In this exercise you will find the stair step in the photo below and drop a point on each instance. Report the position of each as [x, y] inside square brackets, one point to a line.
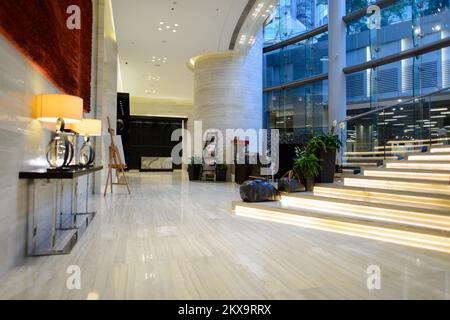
[359, 165]
[428, 165]
[370, 158]
[416, 185]
[406, 147]
[404, 198]
[442, 149]
[421, 141]
[408, 174]
[437, 219]
[347, 225]
[430, 157]
[377, 153]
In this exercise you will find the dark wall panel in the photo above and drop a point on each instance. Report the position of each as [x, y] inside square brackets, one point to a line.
[151, 137]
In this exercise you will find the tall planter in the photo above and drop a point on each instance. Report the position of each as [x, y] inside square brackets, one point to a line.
[221, 174]
[327, 166]
[195, 172]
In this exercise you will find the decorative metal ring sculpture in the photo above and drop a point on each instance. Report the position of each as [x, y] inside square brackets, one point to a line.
[87, 154]
[60, 150]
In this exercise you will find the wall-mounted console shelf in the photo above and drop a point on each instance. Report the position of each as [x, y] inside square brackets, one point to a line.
[62, 238]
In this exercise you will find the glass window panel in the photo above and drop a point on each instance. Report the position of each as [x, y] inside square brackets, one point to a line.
[297, 112]
[355, 5]
[404, 25]
[272, 68]
[399, 81]
[297, 61]
[294, 17]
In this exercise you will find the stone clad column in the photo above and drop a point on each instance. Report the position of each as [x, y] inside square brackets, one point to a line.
[228, 89]
[337, 52]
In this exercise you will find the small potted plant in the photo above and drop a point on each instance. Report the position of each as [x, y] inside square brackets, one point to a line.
[307, 166]
[221, 172]
[325, 147]
[195, 169]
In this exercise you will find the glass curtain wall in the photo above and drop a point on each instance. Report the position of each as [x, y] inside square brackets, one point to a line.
[298, 61]
[294, 17]
[298, 111]
[398, 87]
[406, 24]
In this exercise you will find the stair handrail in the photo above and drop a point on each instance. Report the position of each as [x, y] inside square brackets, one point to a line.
[395, 105]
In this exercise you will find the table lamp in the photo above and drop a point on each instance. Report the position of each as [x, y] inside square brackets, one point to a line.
[59, 109]
[87, 128]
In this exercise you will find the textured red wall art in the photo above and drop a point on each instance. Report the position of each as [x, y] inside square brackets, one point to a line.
[47, 33]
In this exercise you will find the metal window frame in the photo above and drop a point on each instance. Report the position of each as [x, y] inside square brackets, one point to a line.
[362, 12]
[298, 83]
[436, 45]
[296, 39]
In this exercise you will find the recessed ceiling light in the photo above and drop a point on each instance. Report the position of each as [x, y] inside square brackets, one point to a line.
[174, 30]
[168, 27]
[161, 23]
[176, 25]
[160, 29]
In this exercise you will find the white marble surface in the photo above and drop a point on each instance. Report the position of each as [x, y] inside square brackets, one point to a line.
[228, 90]
[22, 146]
[104, 81]
[172, 239]
[23, 140]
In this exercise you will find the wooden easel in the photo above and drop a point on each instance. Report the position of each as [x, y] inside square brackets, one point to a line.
[115, 163]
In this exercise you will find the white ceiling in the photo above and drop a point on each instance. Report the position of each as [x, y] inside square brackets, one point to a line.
[204, 26]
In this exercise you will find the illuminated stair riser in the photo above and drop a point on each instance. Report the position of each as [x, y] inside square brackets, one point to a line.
[358, 211]
[396, 185]
[378, 197]
[417, 240]
[440, 150]
[419, 166]
[430, 157]
[408, 175]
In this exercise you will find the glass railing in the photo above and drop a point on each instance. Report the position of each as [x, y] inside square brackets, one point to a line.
[396, 131]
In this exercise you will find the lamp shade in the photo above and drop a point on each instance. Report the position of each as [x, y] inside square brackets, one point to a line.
[88, 127]
[50, 107]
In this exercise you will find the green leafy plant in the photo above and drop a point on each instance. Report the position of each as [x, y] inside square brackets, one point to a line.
[326, 142]
[221, 167]
[306, 163]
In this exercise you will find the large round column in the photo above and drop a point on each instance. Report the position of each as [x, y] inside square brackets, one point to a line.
[228, 89]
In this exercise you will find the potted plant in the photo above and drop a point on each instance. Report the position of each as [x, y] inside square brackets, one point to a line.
[307, 166]
[221, 172]
[195, 169]
[325, 147]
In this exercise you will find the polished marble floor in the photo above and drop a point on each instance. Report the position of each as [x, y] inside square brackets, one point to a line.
[172, 239]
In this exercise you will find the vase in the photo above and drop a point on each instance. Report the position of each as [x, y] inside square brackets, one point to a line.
[309, 182]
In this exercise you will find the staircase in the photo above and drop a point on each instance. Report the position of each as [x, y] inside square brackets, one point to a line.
[405, 202]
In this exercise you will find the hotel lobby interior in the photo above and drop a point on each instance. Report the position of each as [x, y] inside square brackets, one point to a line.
[225, 149]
